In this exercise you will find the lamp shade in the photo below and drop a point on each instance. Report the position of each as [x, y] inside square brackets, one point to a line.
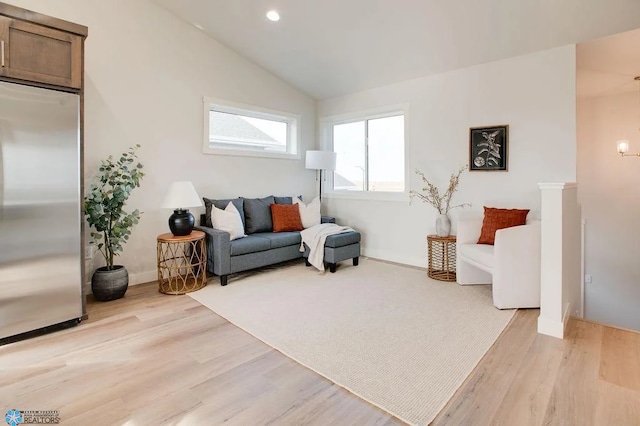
[320, 160]
[181, 194]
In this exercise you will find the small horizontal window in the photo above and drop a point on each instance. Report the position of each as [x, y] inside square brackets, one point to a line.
[244, 130]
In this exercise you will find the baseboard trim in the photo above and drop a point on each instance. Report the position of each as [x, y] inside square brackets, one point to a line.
[550, 327]
[134, 279]
[566, 315]
[604, 324]
[143, 277]
[420, 262]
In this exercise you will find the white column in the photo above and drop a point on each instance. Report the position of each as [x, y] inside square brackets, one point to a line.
[560, 257]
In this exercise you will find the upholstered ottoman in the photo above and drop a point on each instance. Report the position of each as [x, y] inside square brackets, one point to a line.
[337, 248]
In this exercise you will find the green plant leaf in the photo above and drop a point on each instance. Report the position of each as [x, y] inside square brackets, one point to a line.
[104, 203]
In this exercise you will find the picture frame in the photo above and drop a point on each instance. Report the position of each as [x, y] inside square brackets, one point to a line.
[489, 148]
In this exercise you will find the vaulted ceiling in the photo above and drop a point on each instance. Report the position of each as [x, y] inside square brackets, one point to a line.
[608, 66]
[328, 48]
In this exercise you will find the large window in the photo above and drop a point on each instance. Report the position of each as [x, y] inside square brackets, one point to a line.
[234, 129]
[370, 153]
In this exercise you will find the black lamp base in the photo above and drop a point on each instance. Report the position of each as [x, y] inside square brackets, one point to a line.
[181, 222]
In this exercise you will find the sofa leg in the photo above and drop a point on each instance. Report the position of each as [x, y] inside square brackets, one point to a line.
[332, 268]
[223, 279]
[355, 261]
[306, 261]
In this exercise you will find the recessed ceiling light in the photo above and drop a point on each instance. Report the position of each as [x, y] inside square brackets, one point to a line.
[272, 15]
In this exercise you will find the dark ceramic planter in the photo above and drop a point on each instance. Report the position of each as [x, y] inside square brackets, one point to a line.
[109, 284]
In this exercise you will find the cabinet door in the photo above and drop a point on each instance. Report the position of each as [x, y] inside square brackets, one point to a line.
[35, 53]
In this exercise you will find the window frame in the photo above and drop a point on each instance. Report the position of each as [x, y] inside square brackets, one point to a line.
[326, 128]
[292, 121]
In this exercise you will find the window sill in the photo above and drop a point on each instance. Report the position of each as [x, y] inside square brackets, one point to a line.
[369, 196]
[248, 153]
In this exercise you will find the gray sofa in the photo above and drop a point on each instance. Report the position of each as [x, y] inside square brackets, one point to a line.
[261, 246]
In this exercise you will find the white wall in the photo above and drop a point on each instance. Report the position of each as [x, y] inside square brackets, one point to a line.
[571, 254]
[610, 196]
[146, 73]
[533, 94]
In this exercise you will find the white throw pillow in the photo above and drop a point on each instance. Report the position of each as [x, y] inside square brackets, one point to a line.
[309, 213]
[228, 220]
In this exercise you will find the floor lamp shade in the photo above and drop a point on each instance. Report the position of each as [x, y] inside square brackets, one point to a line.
[181, 195]
[320, 160]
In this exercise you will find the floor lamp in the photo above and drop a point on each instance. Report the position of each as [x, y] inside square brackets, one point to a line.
[320, 160]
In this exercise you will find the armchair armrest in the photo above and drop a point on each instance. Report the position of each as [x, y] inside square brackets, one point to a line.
[218, 250]
[519, 243]
[517, 265]
[468, 231]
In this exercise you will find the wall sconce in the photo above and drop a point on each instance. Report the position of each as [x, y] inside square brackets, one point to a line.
[623, 145]
[623, 149]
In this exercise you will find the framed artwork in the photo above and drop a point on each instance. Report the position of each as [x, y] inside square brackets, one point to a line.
[488, 148]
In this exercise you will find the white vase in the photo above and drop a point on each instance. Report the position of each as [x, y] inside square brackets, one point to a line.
[443, 225]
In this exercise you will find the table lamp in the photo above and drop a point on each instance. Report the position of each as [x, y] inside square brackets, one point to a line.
[320, 160]
[181, 195]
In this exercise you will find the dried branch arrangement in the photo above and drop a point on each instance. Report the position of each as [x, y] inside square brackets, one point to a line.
[431, 194]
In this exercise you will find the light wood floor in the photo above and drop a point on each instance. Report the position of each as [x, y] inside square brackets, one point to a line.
[152, 359]
[592, 377]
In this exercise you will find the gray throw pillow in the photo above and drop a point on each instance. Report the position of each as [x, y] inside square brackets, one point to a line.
[285, 200]
[222, 204]
[257, 213]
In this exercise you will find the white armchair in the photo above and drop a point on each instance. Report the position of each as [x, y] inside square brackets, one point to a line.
[512, 263]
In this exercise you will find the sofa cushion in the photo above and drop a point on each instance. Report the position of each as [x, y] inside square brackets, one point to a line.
[249, 244]
[257, 214]
[228, 220]
[479, 253]
[341, 240]
[222, 204]
[285, 200]
[286, 217]
[309, 213]
[280, 239]
[495, 219]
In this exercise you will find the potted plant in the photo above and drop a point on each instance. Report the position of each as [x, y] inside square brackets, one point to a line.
[104, 209]
[442, 203]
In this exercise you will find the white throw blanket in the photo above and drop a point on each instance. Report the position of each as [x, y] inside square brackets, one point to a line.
[315, 238]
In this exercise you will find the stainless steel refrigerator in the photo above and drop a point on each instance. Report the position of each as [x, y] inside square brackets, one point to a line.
[40, 210]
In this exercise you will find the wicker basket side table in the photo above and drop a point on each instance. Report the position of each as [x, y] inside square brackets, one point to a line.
[182, 263]
[442, 257]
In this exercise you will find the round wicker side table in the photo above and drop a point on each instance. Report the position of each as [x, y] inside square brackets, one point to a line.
[182, 263]
[442, 257]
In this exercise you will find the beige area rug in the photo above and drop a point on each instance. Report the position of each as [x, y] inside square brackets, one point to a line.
[387, 333]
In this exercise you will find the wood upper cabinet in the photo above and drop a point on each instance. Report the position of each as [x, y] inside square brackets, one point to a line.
[36, 53]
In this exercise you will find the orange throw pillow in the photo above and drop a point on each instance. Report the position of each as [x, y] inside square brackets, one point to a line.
[286, 217]
[495, 219]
